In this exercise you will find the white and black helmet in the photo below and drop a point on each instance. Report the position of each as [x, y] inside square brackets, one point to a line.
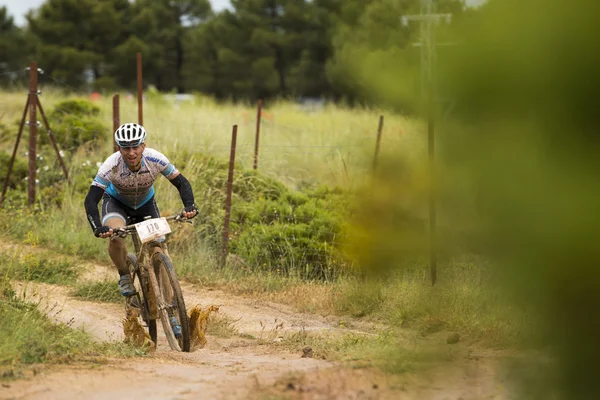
[130, 135]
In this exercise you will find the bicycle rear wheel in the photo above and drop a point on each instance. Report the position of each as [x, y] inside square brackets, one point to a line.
[142, 287]
[170, 295]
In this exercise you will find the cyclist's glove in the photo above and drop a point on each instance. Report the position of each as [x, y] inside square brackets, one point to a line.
[100, 230]
[191, 209]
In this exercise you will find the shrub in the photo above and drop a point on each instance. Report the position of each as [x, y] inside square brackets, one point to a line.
[76, 107]
[272, 227]
[18, 173]
[74, 123]
[299, 233]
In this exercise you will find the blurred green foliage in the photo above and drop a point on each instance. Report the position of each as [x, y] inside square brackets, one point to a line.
[521, 147]
[528, 98]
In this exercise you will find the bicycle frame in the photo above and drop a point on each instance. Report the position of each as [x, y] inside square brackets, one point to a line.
[142, 252]
[157, 301]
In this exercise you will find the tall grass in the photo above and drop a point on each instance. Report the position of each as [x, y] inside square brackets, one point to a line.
[466, 300]
[104, 291]
[334, 145]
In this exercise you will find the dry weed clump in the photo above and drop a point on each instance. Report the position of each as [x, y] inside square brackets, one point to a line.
[198, 323]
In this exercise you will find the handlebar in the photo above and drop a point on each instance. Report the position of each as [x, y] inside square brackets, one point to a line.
[129, 229]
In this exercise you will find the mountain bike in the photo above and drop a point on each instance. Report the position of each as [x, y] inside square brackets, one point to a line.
[158, 293]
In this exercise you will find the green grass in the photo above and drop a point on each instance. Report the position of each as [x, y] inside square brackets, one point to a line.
[103, 291]
[64, 230]
[28, 337]
[386, 350]
[465, 300]
[41, 268]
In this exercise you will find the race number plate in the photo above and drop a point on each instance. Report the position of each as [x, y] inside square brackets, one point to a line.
[152, 229]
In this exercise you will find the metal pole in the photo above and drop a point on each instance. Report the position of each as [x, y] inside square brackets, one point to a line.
[52, 140]
[378, 143]
[431, 100]
[428, 90]
[432, 180]
[14, 153]
[116, 120]
[33, 77]
[225, 249]
[258, 115]
[140, 89]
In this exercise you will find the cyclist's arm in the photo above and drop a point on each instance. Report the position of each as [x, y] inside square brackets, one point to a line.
[185, 191]
[91, 206]
[169, 171]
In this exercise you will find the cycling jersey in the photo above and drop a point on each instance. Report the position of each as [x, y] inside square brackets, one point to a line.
[133, 189]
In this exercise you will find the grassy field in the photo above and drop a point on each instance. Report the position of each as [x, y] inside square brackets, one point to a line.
[333, 146]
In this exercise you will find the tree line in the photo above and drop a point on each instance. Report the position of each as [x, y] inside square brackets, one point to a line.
[258, 49]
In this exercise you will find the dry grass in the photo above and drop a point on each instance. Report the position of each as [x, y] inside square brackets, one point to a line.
[463, 302]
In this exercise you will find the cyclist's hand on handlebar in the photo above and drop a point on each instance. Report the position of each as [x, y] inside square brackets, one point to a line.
[189, 212]
[103, 232]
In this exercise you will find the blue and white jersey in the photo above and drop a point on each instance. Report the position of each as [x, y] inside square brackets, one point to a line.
[133, 189]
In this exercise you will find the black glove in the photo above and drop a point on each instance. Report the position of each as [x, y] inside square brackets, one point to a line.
[191, 208]
[100, 230]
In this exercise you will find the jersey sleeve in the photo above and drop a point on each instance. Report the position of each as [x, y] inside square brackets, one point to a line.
[163, 164]
[103, 177]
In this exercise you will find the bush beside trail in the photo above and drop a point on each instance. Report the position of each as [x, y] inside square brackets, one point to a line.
[293, 232]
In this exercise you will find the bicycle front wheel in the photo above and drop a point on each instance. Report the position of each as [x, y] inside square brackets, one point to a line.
[142, 296]
[174, 306]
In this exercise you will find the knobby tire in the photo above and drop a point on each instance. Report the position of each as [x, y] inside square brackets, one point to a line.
[143, 292]
[167, 279]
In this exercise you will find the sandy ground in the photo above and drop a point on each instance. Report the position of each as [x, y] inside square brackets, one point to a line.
[234, 368]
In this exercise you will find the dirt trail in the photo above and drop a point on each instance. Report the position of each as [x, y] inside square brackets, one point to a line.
[232, 368]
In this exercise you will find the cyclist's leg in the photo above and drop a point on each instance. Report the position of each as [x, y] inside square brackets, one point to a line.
[114, 216]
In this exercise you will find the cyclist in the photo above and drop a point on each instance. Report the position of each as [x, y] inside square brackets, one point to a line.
[125, 183]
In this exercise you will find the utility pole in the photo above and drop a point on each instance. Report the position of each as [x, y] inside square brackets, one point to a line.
[428, 18]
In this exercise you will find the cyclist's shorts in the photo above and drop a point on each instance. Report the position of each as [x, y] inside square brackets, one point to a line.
[113, 208]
